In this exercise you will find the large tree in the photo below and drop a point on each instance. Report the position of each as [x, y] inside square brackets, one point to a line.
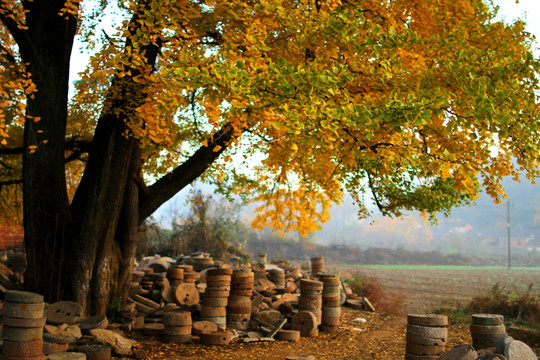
[418, 102]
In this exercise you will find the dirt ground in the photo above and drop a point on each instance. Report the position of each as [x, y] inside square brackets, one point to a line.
[382, 337]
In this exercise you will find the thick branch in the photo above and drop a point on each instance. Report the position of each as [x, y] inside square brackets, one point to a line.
[8, 19]
[184, 174]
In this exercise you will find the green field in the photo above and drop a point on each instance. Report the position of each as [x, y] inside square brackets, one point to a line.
[448, 267]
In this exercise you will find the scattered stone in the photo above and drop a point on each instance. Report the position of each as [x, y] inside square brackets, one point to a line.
[119, 344]
[360, 320]
[517, 350]
[461, 352]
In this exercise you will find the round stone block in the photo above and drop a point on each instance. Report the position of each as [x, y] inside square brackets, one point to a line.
[306, 323]
[63, 312]
[186, 294]
[22, 323]
[23, 311]
[22, 334]
[428, 320]
[288, 335]
[419, 349]
[177, 318]
[487, 319]
[460, 352]
[203, 326]
[428, 331]
[177, 330]
[24, 297]
[22, 348]
[216, 338]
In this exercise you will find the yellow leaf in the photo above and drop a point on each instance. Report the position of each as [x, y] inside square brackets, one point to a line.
[3, 142]
[217, 148]
[294, 147]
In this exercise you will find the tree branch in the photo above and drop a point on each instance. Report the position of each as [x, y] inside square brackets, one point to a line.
[7, 17]
[183, 175]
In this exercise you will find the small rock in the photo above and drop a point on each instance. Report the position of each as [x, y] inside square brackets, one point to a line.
[360, 320]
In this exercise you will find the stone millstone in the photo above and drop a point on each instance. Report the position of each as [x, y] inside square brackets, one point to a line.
[306, 322]
[177, 318]
[24, 297]
[22, 348]
[200, 327]
[94, 322]
[354, 304]
[427, 331]
[22, 334]
[288, 335]
[299, 357]
[419, 349]
[428, 320]
[64, 312]
[95, 351]
[216, 338]
[67, 356]
[487, 319]
[487, 329]
[186, 294]
[416, 339]
[22, 323]
[23, 311]
[461, 352]
[491, 357]
[517, 350]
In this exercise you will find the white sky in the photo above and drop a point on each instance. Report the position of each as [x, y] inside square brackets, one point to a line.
[526, 10]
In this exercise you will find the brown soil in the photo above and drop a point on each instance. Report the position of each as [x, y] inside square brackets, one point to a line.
[382, 337]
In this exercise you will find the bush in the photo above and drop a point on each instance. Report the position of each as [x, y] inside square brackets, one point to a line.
[370, 288]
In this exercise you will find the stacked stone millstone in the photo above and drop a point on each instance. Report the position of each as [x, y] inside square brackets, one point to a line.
[190, 276]
[158, 283]
[135, 286]
[215, 298]
[426, 336]
[259, 270]
[487, 330]
[239, 304]
[317, 265]
[23, 320]
[202, 263]
[146, 281]
[175, 275]
[277, 276]
[311, 297]
[177, 326]
[331, 309]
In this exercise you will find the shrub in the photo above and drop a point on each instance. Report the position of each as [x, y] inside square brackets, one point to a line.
[370, 288]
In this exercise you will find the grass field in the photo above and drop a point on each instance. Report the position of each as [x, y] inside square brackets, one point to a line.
[450, 267]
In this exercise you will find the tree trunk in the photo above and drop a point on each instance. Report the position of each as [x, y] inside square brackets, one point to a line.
[85, 251]
[46, 47]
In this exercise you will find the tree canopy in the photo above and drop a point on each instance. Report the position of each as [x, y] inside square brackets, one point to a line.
[419, 103]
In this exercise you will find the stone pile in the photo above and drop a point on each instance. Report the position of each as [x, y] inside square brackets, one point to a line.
[177, 326]
[487, 330]
[331, 299]
[311, 298]
[23, 320]
[426, 336]
[216, 295]
[317, 265]
[239, 305]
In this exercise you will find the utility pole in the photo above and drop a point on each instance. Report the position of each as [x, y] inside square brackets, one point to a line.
[508, 233]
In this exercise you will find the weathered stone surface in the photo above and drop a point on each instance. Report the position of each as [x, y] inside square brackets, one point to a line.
[94, 322]
[24, 297]
[119, 344]
[517, 350]
[461, 352]
[64, 312]
[67, 356]
[271, 317]
[427, 320]
[95, 351]
[305, 322]
[487, 319]
[74, 331]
